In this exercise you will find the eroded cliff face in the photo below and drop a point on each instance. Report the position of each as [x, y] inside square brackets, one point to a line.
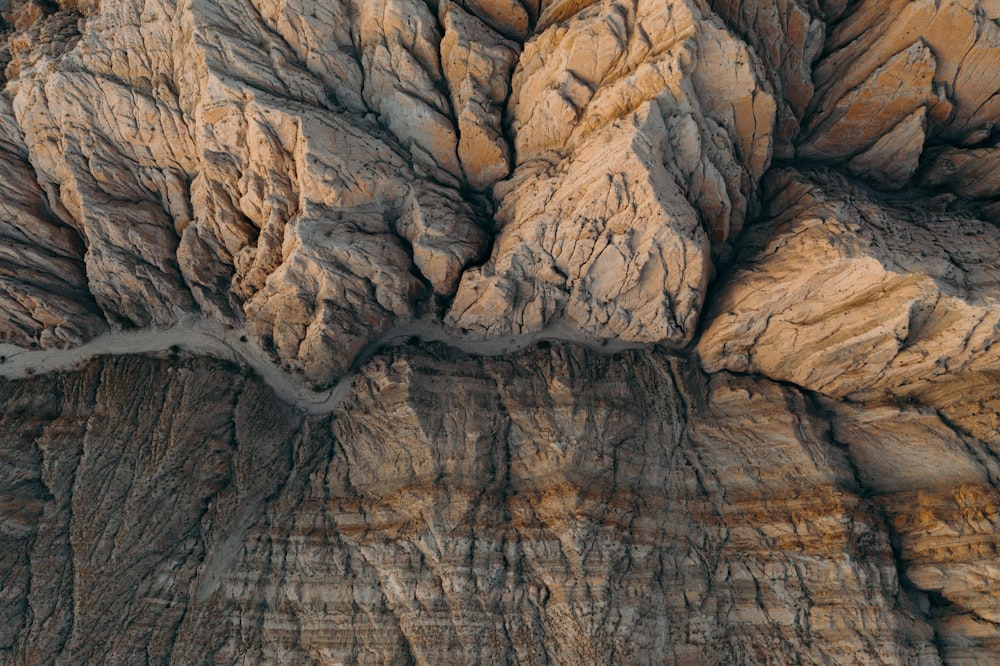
[555, 505]
[499, 331]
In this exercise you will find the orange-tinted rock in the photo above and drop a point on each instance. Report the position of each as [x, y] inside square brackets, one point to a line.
[788, 36]
[451, 509]
[477, 64]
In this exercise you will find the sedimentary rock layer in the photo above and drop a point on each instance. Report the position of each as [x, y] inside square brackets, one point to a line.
[588, 331]
[452, 508]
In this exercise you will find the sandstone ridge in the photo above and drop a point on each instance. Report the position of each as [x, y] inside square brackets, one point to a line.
[499, 331]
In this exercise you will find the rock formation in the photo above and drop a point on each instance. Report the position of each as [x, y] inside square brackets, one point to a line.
[499, 331]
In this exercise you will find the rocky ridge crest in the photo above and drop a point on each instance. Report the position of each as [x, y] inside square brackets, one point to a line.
[618, 331]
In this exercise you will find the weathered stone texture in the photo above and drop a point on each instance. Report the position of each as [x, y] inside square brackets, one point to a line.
[585, 331]
[452, 509]
[845, 295]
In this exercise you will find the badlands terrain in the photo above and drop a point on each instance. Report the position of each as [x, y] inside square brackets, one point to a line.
[499, 332]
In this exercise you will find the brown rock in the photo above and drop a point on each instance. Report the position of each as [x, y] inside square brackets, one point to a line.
[948, 547]
[564, 195]
[451, 509]
[963, 171]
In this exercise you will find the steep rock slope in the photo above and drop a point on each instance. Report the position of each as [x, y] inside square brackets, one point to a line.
[588, 331]
[552, 506]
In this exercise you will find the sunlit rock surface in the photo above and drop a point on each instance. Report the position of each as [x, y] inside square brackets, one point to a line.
[499, 331]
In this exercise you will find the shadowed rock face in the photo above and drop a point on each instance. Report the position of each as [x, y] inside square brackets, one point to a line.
[554, 505]
[587, 332]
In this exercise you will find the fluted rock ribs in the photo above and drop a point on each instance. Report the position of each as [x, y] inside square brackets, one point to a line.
[618, 331]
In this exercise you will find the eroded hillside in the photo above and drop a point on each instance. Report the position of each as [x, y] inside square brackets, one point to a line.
[499, 331]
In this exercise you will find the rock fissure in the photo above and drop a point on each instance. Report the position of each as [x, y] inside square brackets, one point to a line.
[499, 331]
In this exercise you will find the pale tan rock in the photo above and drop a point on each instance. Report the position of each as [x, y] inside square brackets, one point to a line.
[843, 295]
[477, 64]
[890, 162]
[587, 70]
[969, 403]
[326, 256]
[113, 153]
[630, 160]
[322, 42]
[213, 167]
[442, 234]
[630, 263]
[399, 41]
[329, 274]
[114, 181]
[733, 93]
[44, 300]
[901, 450]
[788, 36]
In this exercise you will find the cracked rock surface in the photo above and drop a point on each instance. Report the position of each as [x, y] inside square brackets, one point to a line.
[499, 331]
[452, 508]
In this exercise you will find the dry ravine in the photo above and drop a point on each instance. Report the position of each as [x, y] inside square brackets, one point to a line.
[499, 332]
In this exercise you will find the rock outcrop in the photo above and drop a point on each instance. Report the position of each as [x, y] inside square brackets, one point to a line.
[499, 331]
[452, 509]
[682, 110]
[842, 294]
